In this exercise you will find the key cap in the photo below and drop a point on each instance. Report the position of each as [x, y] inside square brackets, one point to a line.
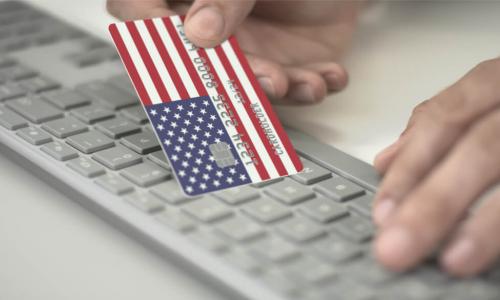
[176, 220]
[243, 261]
[312, 173]
[122, 82]
[349, 290]
[92, 113]
[145, 174]
[281, 282]
[142, 143]
[38, 84]
[414, 289]
[289, 192]
[207, 209]
[65, 127]
[145, 202]
[11, 120]
[208, 241]
[369, 271]
[117, 127]
[362, 205]
[33, 109]
[273, 249]
[266, 210]
[6, 61]
[107, 95]
[135, 114]
[311, 270]
[336, 249]
[240, 229]
[11, 90]
[266, 183]
[59, 151]
[16, 72]
[170, 192]
[159, 158]
[339, 189]
[117, 157]
[323, 210]
[300, 229]
[354, 228]
[86, 167]
[34, 135]
[65, 98]
[90, 142]
[114, 184]
[237, 195]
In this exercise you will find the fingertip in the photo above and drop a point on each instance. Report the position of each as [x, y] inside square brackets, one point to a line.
[393, 249]
[458, 259]
[336, 80]
[205, 27]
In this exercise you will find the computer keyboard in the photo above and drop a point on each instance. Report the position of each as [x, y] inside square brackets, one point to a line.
[69, 114]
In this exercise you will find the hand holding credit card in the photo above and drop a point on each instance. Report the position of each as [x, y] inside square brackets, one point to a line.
[214, 122]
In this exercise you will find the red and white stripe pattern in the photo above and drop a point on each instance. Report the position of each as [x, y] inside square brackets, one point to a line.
[161, 63]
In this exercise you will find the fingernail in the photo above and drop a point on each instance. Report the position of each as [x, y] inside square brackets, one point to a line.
[459, 252]
[302, 93]
[383, 210]
[267, 86]
[207, 23]
[334, 82]
[395, 243]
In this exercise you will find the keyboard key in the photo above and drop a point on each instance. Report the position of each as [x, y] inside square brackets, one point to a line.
[33, 109]
[240, 229]
[300, 229]
[90, 142]
[145, 202]
[237, 195]
[289, 192]
[339, 189]
[34, 135]
[6, 61]
[16, 72]
[311, 270]
[170, 192]
[117, 157]
[369, 271]
[122, 82]
[65, 99]
[65, 127]
[274, 249]
[207, 209]
[243, 261]
[59, 151]
[312, 173]
[38, 84]
[354, 228]
[114, 184]
[145, 174]
[11, 120]
[159, 158]
[266, 183]
[117, 127]
[135, 114]
[362, 205]
[323, 210]
[11, 90]
[86, 167]
[336, 249]
[176, 220]
[142, 143]
[92, 113]
[209, 241]
[281, 282]
[266, 210]
[107, 95]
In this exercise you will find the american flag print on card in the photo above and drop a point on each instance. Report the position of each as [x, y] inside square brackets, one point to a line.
[213, 120]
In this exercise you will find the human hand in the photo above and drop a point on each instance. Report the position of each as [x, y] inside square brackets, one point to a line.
[448, 156]
[293, 47]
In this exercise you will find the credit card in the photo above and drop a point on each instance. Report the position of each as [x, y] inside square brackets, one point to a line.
[215, 124]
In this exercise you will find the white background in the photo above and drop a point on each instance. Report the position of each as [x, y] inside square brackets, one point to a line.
[404, 52]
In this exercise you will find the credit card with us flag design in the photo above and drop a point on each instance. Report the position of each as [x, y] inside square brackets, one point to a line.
[213, 120]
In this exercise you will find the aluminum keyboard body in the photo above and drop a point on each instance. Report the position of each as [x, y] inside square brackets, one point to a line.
[69, 114]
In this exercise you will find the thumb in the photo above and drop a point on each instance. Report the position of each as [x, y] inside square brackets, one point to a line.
[210, 22]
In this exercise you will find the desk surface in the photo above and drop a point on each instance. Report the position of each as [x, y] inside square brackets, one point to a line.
[403, 53]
